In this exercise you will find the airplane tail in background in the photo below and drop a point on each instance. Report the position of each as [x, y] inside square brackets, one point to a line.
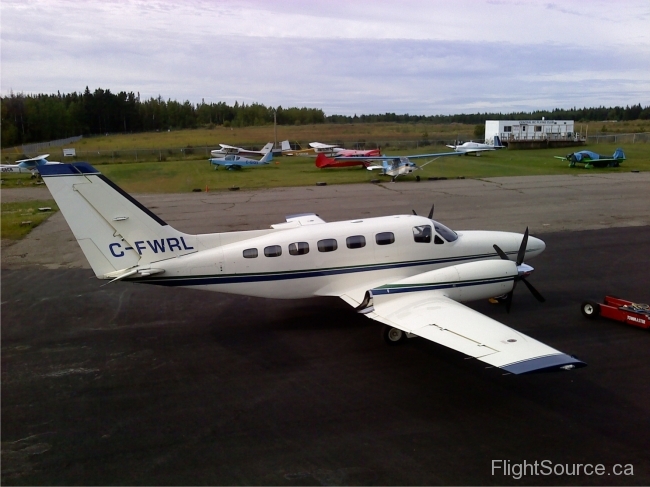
[618, 154]
[115, 232]
[323, 161]
[497, 142]
[286, 145]
[268, 157]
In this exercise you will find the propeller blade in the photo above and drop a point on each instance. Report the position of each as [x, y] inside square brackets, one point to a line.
[509, 298]
[501, 253]
[431, 212]
[534, 291]
[522, 248]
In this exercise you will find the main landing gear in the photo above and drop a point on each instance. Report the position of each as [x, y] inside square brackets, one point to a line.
[392, 336]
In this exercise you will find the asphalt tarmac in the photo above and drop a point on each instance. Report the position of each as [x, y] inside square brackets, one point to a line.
[141, 385]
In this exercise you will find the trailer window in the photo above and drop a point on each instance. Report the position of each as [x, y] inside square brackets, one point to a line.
[327, 245]
[355, 242]
[273, 251]
[250, 253]
[299, 248]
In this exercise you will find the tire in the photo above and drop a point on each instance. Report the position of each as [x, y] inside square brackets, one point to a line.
[590, 309]
[392, 336]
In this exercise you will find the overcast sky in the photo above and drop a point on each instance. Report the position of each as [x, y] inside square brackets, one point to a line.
[344, 56]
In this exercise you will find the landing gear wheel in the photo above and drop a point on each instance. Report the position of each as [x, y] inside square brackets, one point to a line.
[590, 309]
[417, 178]
[392, 336]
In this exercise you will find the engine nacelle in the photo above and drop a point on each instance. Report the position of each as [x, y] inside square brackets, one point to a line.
[462, 282]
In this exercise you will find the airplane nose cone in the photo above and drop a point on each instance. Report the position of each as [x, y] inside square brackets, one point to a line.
[534, 247]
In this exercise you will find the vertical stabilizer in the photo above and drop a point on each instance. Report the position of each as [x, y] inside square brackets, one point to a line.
[114, 230]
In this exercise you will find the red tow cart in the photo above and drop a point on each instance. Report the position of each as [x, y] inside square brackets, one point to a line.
[634, 314]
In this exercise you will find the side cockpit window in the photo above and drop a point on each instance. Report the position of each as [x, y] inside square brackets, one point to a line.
[422, 233]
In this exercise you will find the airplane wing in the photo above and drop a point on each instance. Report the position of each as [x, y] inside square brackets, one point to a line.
[32, 161]
[442, 320]
[318, 145]
[394, 158]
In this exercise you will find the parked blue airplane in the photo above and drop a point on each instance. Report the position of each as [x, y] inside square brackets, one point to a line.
[237, 162]
[591, 159]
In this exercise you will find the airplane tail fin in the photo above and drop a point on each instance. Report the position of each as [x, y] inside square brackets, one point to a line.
[619, 154]
[286, 145]
[115, 232]
[268, 157]
[323, 161]
[497, 141]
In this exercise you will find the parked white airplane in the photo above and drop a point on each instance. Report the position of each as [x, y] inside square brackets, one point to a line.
[408, 272]
[229, 150]
[29, 166]
[237, 162]
[476, 147]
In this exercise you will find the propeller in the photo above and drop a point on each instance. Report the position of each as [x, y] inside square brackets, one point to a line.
[523, 271]
[431, 215]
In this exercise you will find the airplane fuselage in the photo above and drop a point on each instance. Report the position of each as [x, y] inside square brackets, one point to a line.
[333, 258]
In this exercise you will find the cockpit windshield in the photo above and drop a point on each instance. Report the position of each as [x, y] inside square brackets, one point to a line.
[447, 233]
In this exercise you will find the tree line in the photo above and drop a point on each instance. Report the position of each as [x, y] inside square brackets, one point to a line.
[38, 118]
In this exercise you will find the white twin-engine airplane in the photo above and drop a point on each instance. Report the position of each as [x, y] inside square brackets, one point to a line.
[408, 272]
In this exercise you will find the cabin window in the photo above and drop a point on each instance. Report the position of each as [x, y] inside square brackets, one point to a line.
[250, 253]
[355, 242]
[299, 248]
[273, 251]
[385, 238]
[327, 245]
[447, 233]
[438, 240]
[422, 233]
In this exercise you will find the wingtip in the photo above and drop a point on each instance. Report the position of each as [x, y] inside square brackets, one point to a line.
[548, 363]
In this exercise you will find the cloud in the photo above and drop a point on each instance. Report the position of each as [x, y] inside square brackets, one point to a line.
[416, 57]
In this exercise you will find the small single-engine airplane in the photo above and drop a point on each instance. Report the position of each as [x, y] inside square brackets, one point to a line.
[392, 166]
[591, 159]
[230, 150]
[334, 150]
[327, 149]
[237, 162]
[28, 166]
[288, 151]
[322, 161]
[407, 272]
[476, 147]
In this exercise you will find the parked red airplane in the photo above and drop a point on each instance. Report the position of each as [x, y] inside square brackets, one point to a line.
[357, 160]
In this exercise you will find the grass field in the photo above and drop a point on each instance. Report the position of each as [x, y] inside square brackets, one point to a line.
[18, 219]
[186, 175]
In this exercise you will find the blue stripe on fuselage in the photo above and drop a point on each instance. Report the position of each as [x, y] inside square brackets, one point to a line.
[290, 275]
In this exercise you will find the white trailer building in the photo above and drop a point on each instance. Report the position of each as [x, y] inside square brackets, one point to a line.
[520, 130]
